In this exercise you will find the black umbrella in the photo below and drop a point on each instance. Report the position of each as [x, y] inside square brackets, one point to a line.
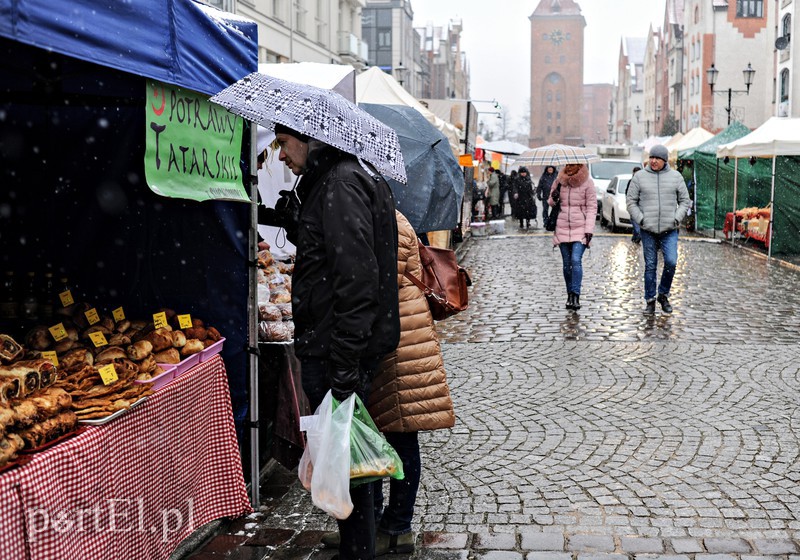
[435, 183]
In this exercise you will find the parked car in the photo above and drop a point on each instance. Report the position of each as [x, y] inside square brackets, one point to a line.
[615, 212]
[602, 171]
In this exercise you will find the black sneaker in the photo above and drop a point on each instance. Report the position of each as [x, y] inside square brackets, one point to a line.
[665, 306]
[650, 308]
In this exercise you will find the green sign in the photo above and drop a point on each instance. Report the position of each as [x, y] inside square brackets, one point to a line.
[193, 146]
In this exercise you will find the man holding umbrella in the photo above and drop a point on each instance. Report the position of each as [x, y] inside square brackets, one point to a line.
[344, 289]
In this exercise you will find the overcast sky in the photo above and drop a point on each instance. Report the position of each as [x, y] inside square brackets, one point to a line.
[497, 41]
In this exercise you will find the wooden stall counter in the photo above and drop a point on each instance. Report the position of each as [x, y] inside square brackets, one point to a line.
[135, 487]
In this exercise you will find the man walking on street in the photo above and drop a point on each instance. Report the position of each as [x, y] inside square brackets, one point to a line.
[657, 200]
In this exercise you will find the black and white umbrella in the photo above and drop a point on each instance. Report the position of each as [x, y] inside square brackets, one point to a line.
[319, 113]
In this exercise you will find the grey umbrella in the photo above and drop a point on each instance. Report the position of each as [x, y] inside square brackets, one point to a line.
[319, 113]
[432, 198]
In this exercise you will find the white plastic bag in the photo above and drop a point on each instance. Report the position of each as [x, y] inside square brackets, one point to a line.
[325, 465]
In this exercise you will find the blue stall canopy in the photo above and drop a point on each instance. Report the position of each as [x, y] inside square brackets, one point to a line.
[181, 42]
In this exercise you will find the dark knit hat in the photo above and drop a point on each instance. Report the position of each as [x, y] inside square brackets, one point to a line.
[283, 129]
[660, 152]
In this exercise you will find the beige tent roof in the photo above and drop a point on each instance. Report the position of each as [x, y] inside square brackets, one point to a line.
[691, 139]
[376, 86]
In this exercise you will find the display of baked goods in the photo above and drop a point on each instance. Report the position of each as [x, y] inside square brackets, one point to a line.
[274, 299]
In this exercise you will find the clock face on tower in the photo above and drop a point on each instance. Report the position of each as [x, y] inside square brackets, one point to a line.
[556, 36]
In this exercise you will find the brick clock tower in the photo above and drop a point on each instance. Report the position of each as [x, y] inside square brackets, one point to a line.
[556, 73]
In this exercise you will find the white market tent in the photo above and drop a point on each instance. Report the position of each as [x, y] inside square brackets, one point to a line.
[779, 136]
[376, 86]
[691, 139]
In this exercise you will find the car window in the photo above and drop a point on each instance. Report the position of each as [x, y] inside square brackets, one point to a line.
[607, 169]
[622, 186]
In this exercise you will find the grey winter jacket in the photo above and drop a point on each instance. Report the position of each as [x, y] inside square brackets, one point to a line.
[657, 200]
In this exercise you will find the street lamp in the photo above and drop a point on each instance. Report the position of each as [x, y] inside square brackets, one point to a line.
[638, 113]
[748, 73]
[610, 130]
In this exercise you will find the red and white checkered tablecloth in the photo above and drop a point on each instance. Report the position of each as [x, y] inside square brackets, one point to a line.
[133, 488]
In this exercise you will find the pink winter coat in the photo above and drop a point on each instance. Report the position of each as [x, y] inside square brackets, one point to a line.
[578, 206]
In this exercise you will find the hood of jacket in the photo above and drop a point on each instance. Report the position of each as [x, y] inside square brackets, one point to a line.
[575, 180]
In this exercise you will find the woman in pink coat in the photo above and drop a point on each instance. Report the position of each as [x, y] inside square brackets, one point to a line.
[575, 226]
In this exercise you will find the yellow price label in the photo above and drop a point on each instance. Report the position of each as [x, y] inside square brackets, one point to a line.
[98, 339]
[160, 320]
[92, 316]
[66, 298]
[51, 356]
[119, 314]
[185, 321]
[108, 373]
[58, 331]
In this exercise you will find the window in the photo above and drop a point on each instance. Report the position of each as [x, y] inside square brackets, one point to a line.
[384, 38]
[558, 115]
[277, 11]
[785, 84]
[549, 129]
[750, 8]
[549, 95]
[786, 26]
[697, 14]
[562, 59]
[558, 96]
[300, 17]
[558, 130]
[547, 59]
[549, 115]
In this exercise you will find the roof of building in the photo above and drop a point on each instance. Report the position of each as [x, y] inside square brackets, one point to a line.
[557, 7]
[634, 49]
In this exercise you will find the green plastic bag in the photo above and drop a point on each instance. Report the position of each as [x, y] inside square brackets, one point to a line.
[371, 456]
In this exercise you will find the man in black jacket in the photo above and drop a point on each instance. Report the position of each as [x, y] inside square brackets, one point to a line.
[344, 289]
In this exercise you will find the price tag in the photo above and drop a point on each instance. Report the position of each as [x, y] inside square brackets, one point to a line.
[160, 320]
[92, 316]
[51, 356]
[107, 373]
[66, 298]
[98, 338]
[185, 321]
[58, 331]
[119, 314]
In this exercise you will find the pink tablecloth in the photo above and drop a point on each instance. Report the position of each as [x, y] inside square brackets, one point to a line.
[133, 488]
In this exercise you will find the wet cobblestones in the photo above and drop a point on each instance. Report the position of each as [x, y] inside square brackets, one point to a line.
[605, 435]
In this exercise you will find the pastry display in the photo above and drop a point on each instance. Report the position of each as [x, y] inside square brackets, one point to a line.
[274, 299]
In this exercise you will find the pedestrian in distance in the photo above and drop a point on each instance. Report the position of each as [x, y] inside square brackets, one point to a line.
[543, 188]
[636, 236]
[523, 194]
[493, 190]
[575, 225]
[658, 200]
[344, 290]
[503, 178]
[409, 394]
[512, 190]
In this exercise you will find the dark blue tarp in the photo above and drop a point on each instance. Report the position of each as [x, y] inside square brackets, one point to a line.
[180, 42]
[73, 198]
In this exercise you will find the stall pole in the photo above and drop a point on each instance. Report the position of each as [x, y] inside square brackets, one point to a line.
[716, 200]
[252, 326]
[771, 209]
[735, 185]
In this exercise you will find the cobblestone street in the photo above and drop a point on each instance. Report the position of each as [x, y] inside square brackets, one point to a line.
[604, 434]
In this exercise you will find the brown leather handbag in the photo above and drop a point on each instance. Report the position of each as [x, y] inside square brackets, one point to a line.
[444, 282]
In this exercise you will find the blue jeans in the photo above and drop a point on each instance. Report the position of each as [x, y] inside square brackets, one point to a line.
[637, 230]
[545, 210]
[571, 257]
[396, 518]
[357, 531]
[652, 243]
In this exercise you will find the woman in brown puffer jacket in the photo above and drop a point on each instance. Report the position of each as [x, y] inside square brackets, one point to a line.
[409, 394]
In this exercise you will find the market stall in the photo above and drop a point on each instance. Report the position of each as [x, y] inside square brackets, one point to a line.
[89, 91]
[775, 143]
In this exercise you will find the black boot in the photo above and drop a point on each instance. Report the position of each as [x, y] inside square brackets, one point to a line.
[570, 301]
[650, 308]
[576, 301]
[665, 306]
